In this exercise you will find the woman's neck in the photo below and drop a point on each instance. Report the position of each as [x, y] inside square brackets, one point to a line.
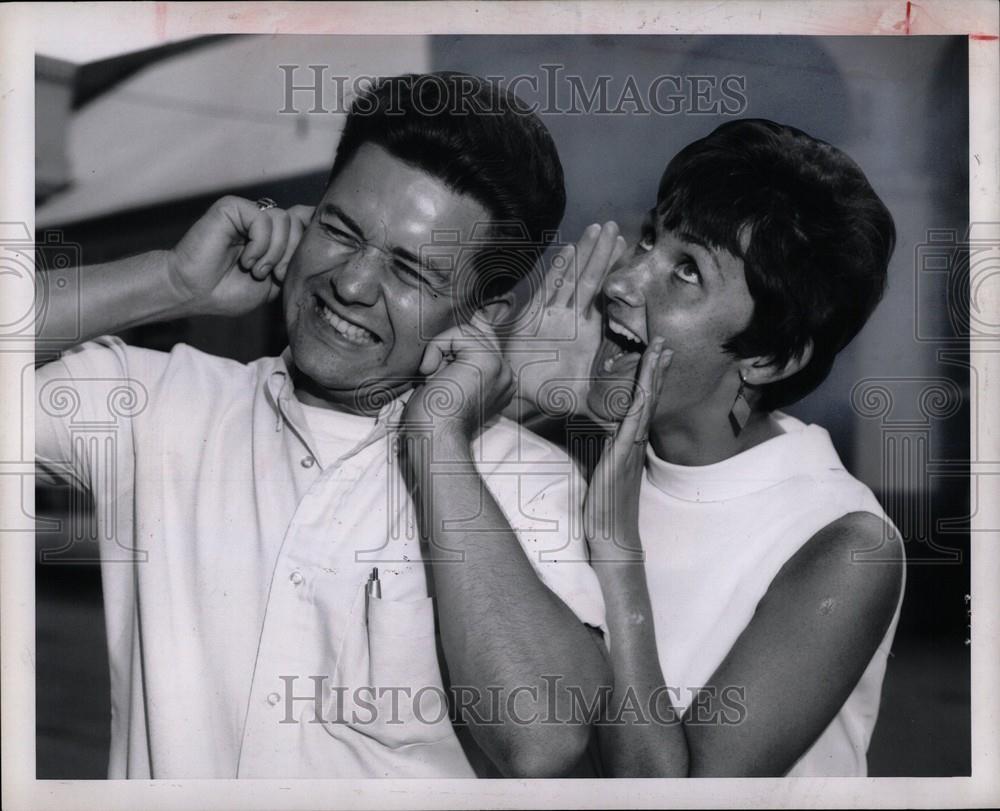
[707, 441]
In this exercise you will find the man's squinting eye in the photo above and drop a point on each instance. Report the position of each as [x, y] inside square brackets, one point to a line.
[408, 273]
[647, 240]
[340, 234]
[428, 279]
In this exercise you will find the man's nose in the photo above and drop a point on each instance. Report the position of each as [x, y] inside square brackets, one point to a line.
[624, 283]
[358, 280]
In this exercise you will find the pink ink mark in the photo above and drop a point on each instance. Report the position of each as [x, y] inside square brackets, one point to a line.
[984, 37]
[906, 22]
[160, 24]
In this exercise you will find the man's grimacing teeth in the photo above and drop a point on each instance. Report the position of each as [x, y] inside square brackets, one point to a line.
[354, 334]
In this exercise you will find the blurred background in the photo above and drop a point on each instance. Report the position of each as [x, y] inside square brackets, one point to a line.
[132, 148]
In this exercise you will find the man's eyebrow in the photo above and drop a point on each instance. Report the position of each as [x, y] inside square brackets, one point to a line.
[404, 254]
[336, 211]
[408, 256]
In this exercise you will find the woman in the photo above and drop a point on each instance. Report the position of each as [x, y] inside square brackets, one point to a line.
[750, 617]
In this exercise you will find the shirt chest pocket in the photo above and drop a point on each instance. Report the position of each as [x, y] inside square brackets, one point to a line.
[388, 678]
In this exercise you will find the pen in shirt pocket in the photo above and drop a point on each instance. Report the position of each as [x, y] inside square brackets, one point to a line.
[373, 591]
[374, 587]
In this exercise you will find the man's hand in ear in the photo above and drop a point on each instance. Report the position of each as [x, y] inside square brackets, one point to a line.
[230, 261]
[467, 383]
[552, 355]
[235, 257]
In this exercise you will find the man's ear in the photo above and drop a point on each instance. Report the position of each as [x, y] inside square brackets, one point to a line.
[762, 370]
[496, 312]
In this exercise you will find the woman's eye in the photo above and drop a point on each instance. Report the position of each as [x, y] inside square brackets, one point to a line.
[688, 272]
[645, 243]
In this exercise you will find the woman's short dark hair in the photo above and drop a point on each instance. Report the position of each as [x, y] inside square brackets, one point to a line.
[814, 238]
[480, 140]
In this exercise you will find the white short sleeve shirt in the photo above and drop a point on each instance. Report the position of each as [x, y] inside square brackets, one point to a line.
[235, 556]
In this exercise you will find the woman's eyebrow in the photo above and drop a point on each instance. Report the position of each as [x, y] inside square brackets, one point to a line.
[691, 239]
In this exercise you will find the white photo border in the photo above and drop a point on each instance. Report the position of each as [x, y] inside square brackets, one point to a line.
[21, 25]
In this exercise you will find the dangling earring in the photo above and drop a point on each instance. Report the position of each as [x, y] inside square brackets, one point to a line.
[739, 414]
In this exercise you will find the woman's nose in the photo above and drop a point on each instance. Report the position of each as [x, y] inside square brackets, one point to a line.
[624, 284]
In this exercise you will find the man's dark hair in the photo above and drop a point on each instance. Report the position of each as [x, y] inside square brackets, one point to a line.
[480, 140]
[814, 238]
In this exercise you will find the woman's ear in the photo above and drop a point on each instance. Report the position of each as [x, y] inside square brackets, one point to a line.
[761, 370]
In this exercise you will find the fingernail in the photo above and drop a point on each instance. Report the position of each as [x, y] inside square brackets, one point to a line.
[264, 269]
[594, 228]
[657, 344]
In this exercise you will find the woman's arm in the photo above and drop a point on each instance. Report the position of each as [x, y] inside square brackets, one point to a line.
[807, 645]
[810, 639]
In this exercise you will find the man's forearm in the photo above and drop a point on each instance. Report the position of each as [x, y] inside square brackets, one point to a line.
[501, 627]
[111, 297]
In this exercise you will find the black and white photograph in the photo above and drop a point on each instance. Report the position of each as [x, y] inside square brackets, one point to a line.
[482, 405]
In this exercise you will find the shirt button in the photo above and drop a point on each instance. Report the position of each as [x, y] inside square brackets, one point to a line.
[273, 698]
[307, 461]
[296, 578]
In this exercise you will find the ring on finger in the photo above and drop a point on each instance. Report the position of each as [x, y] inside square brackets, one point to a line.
[264, 203]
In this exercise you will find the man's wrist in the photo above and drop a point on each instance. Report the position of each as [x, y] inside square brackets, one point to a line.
[179, 300]
[447, 441]
[451, 441]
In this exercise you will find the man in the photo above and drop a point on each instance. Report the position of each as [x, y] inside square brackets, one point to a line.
[270, 602]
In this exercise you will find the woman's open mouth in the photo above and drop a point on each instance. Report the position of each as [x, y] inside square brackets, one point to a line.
[621, 348]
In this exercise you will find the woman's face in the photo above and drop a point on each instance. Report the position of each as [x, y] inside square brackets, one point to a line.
[695, 298]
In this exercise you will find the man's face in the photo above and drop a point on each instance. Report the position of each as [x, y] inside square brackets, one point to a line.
[361, 299]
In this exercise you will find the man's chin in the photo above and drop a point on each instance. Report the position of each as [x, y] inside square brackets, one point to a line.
[349, 389]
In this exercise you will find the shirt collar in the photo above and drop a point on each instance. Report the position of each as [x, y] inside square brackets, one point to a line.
[280, 392]
[801, 450]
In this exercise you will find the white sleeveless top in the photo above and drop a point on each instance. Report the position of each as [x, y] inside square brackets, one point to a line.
[716, 535]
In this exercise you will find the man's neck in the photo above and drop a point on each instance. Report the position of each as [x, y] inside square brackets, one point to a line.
[350, 401]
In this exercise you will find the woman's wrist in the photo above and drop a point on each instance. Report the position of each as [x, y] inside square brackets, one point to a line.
[619, 552]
